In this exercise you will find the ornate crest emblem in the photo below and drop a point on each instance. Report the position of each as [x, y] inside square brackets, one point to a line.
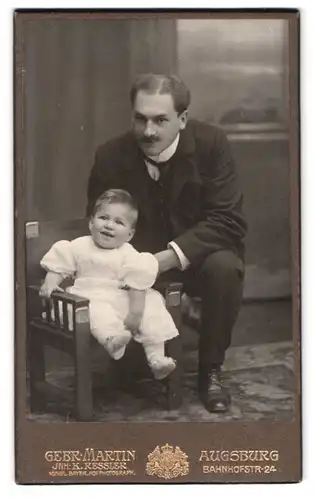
[167, 463]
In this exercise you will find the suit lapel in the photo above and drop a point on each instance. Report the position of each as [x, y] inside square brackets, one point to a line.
[184, 164]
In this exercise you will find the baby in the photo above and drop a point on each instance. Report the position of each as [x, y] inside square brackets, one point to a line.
[116, 279]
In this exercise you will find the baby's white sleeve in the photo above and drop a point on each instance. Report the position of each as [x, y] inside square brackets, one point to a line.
[140, 270]
[60, 259]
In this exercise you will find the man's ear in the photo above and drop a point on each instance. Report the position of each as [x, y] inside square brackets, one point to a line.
[183, 119]
[131, 234]
[90, 223]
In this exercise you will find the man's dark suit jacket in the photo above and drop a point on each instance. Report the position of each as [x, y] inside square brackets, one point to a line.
[205, 200]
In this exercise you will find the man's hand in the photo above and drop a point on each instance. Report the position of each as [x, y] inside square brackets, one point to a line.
[133, 321]
[167, 260]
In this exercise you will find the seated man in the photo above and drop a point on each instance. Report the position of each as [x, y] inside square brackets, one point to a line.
[182, 176]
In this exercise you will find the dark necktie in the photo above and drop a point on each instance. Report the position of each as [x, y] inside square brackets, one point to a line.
[157, 164]
[162, 166]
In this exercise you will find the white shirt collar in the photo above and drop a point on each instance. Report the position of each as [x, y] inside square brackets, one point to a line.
[167, 153]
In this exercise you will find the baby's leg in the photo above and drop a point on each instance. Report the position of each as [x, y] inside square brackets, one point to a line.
[108, 328]
[157, 323]
[160, 364]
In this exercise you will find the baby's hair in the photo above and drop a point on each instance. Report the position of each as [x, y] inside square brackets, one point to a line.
[117, 196]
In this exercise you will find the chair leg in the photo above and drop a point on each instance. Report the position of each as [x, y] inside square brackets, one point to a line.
[83, 373]
[174, 347]
[174, 381]
[36, 370]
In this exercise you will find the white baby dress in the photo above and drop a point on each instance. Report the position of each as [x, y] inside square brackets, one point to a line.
[100, 275]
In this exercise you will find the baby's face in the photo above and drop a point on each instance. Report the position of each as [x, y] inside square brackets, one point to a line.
[111, 226]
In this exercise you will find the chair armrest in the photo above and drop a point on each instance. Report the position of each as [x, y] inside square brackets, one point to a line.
[70, 298]
[62, 310]
[173, 294]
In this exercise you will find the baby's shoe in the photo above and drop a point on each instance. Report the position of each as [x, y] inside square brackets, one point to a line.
[162, 366]
[116, 346]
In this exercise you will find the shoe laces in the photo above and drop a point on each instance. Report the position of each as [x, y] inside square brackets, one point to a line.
[215, 378]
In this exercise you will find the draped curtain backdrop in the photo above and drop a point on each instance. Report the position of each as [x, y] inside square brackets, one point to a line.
[77, 79]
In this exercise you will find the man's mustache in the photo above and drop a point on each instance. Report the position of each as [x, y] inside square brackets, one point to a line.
[147, 140]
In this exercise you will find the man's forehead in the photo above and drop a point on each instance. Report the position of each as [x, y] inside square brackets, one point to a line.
[153, 104]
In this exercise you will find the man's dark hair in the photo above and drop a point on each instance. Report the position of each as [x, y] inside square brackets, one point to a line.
[162, 84]
[117, 196]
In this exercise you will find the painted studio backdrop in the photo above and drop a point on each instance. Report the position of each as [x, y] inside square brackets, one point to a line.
[77, 79]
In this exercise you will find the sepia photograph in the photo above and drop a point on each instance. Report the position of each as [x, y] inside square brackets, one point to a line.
[157, 202]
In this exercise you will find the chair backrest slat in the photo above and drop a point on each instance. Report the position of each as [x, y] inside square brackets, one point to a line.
[47, 311]
[56, 312]
[65, 318]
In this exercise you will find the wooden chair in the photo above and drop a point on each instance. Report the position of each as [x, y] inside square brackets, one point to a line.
[73, 335]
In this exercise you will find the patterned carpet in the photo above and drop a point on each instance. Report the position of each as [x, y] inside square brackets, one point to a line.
[260, 377]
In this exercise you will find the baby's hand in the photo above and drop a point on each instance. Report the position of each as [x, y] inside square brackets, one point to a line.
[133, 321]
[46, 290]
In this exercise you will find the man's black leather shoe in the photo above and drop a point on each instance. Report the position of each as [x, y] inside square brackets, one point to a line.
[213, 394]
